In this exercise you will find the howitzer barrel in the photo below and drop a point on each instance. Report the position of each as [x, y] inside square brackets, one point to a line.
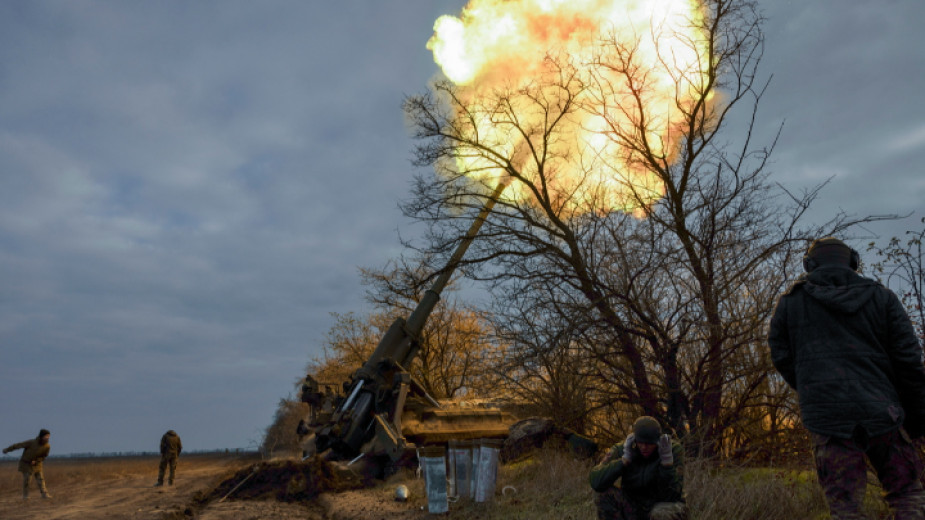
[400, 341]
[419, 317]
[378, 388]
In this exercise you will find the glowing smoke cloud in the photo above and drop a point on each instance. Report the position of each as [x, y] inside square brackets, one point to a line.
[525, 45]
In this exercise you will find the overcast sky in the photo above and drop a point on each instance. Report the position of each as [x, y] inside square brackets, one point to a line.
[188, 188]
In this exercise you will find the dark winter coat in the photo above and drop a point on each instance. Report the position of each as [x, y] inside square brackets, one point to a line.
[847, 346]
[171, 445]
[645, 482]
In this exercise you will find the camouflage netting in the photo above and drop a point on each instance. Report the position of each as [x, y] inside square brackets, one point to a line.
[286, 481]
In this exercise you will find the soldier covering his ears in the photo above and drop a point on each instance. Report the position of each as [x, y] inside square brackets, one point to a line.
[649, 467]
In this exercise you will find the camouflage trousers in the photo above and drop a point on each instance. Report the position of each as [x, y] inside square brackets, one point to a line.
[842, 471]
[613, 504]
[165, 462]
[39, 477]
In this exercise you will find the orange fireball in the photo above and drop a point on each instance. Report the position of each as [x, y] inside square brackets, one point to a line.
[625, 68]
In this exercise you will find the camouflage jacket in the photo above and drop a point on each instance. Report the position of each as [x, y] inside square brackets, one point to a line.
[847, 346]
[171, 445]
[33, 455]
[645, 482]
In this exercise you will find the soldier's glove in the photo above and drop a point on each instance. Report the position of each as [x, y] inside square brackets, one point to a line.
[613, 453]
[628, 448]
[5, 451]
[664, 451]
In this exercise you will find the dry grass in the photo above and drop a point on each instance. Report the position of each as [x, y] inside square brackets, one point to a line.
[554, 486]
[551, 485]
[546, 486]
[764, 494]
[752, 494]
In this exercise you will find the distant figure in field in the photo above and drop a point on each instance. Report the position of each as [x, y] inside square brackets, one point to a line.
[649, 466]
[847, 346]
[170, 452]
[30, 464]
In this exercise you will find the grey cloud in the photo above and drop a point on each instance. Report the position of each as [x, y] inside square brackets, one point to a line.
[187, 188]
[186, 191]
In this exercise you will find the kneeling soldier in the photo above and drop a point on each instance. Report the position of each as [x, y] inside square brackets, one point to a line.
[649, 468]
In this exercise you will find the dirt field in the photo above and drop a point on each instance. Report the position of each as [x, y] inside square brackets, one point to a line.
[122, 488]
[550, 485]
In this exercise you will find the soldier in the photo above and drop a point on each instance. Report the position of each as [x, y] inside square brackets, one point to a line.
[650, 468]
[30, 464]
[847, 347]
[170, 452]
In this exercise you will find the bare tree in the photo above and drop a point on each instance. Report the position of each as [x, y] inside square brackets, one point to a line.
[347, 345]
[280, 435]
[451, 361]
[542, 362]
[668, 297]
[902, 266]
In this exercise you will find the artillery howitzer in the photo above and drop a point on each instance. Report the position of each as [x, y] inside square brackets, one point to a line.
[384, 410]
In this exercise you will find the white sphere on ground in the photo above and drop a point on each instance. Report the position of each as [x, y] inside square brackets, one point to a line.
[402, 493]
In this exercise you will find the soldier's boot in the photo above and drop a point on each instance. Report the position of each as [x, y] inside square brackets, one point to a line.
[159, 483]
[46, 494]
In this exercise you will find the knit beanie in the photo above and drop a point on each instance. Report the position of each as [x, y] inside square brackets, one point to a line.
[830, 251]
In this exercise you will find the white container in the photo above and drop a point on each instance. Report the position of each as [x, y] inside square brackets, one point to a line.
[487, 469]
[460, 459]
[474, 469]
[433, 459]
